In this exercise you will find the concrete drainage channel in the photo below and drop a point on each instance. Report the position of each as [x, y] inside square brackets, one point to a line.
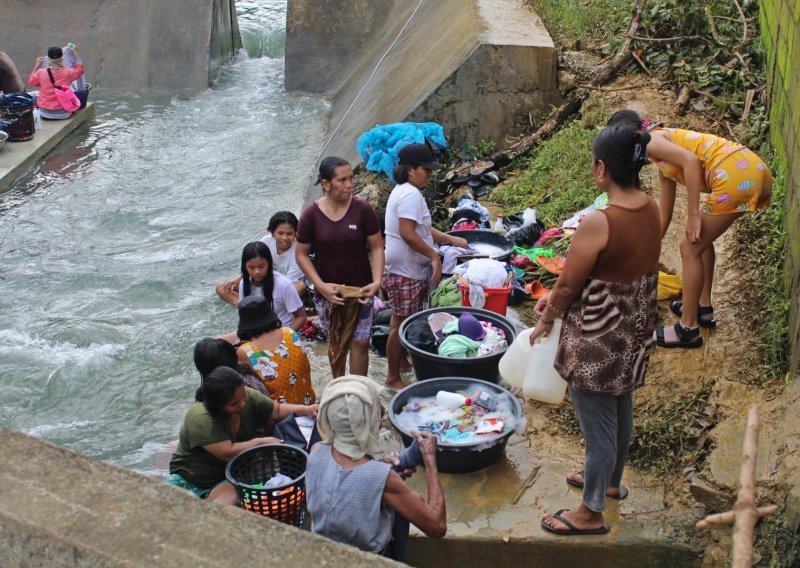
[494, 515]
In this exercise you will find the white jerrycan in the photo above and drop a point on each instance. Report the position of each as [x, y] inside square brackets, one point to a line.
[514, 361]
[542, 381]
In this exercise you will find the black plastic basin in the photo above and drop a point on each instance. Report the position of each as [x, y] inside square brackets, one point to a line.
[474, 236]
[430, 365]
[456, 458]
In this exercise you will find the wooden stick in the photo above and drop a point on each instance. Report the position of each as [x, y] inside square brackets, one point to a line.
[660, 39]
[527, 484]
[728, 517]
[605, 72]
[744, 21]
[745, 511]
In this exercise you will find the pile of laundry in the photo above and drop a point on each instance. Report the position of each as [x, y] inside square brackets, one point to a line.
[483, 418]
[479, 274]
[458, 337]
[469, 215]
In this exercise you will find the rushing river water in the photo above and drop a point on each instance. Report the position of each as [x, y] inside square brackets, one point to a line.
[111, 247]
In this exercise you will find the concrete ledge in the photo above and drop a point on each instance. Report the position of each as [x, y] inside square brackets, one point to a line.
[480, 68]
[17, 157]
[58, 508]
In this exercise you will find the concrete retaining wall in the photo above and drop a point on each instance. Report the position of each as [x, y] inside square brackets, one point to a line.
[138, 45]
[478, 67]
[58, 508]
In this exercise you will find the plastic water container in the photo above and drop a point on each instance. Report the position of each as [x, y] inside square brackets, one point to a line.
[514, 361]
[542, 381]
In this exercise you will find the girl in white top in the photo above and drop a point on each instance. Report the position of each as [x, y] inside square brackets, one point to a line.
[259, 279]
[281, 242]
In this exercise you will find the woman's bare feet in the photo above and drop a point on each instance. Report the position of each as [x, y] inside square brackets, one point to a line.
[394, 385]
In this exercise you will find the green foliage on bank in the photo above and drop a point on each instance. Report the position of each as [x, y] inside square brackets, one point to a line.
[586, 22]
[760, 246]
[674, 437]
[555, 178]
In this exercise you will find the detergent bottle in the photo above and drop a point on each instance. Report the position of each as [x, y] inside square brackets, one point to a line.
[452, 399]
[542, 381]
[514, 361]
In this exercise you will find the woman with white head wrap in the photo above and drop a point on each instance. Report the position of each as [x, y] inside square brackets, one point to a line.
[353, 498]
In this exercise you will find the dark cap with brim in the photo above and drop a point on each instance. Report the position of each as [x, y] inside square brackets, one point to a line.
[256, 313]
[55, 52]
[416, 155]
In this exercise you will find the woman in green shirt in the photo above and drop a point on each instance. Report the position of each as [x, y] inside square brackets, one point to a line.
[227, 419]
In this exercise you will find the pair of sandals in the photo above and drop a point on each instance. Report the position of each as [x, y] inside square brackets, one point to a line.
[686, 338]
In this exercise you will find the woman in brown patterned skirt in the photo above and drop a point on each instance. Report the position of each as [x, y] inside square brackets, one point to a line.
[607, 297]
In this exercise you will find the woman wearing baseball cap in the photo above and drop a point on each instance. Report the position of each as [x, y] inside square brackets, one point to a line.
[412, 261]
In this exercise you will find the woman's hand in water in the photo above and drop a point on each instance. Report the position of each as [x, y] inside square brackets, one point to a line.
[369, 291]
[266, 440]
[460, 242]
[331, 293]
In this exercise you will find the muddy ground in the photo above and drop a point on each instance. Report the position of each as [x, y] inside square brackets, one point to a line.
[729, 364]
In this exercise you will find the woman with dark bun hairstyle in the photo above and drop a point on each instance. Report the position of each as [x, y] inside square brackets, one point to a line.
[606, 295]
[347, 268]
[736, 181]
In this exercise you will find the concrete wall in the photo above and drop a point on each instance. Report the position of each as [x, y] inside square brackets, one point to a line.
[780, 30]
[58, 508]
[136, 45]
[478, 67]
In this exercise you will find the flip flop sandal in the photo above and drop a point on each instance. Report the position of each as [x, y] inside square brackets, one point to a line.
[481, 166]
[490, 178]
[479, 191]
[687, 338]
[676, 306]
[536, 290]
[572, 529]
[552, 265]
[623, 491]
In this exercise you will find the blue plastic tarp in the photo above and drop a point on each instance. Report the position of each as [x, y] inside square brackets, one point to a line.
[379, 145]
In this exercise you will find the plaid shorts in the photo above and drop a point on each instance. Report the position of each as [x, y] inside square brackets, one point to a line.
[406, 295]
[364, 327]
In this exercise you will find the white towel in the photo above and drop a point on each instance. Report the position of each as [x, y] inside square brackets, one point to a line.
[350, 415]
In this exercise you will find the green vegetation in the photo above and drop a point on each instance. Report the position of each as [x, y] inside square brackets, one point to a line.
[673, 437]
[715, 49]
[585, 21]
[760, 244]
[556, 180]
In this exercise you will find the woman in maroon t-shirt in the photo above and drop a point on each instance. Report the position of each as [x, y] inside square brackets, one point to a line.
[340, 228]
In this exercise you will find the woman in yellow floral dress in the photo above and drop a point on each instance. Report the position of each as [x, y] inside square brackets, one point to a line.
[735, 180]
[274, 352]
